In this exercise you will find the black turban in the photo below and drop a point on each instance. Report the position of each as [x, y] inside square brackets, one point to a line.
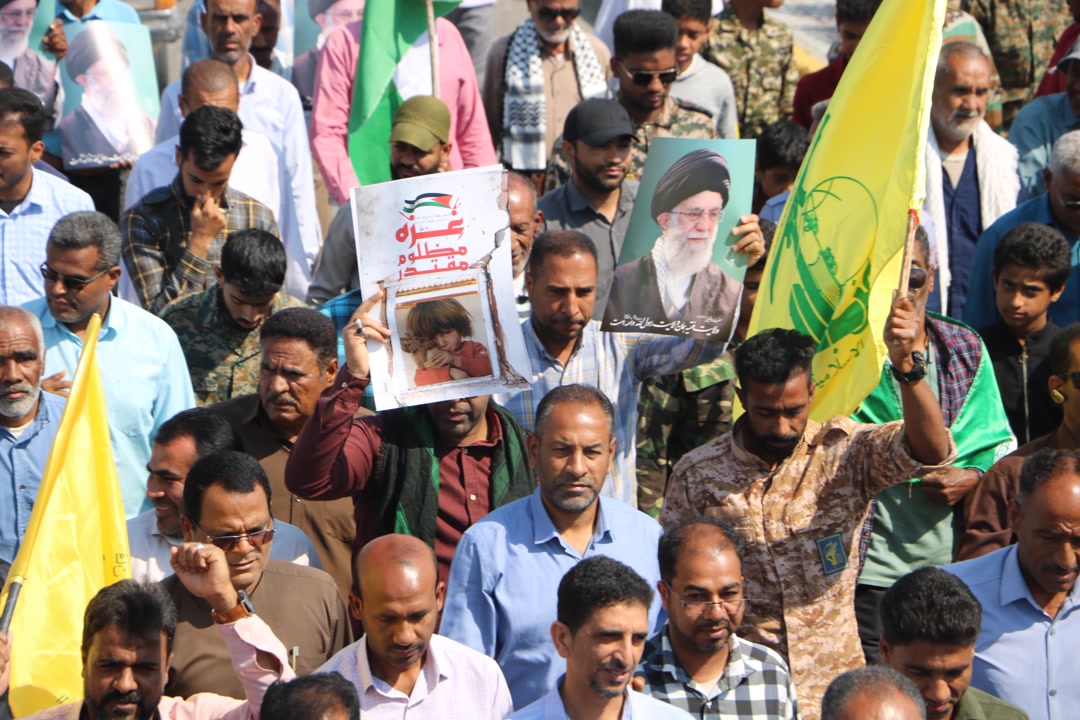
[699, 171]
[97, 41]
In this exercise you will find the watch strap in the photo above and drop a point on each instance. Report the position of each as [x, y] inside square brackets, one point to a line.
[244, 608]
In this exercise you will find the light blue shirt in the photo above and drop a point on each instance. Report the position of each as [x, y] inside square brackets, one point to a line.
[145, 377]
[22, 461]
[196, 46]
[24, 232]
[774, 207]
[1034, 131]
[1022, 656]
[550, 707]
[980, 309]
[502, 595]
[104, 10]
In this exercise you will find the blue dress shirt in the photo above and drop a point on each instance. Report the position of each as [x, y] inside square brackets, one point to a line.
[1022, 656]
[501, 598]
[145, 377]
[980, 310]
[550, 707]
[1034, 131]
[114, 10]
[22, 461]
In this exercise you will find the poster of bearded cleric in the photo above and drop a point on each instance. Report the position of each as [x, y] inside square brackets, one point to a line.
[110, 94]
[677, 273]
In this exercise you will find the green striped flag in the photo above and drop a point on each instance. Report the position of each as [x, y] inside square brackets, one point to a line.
[394, 65]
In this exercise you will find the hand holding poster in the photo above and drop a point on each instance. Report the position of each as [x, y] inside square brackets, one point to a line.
[439, 245]
[677, 273]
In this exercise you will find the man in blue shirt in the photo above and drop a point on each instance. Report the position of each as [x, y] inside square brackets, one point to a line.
[28, 422]
[1026, 650]
[501, 593]
[143, 370]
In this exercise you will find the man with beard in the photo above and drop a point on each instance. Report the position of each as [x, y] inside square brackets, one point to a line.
[32, 71]
[328, 15]
[971, 172]
[526, 219]
[677, 286]
[697, 662]
[397, 599]
[29, 419]
[500, 599]
[429, 471]
[600, 630]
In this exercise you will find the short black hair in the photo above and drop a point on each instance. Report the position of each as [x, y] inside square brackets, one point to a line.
[234, 472]
[7, 76]
[696, 9]
[138, 609]
[311, 697]
[782, 144]
[211, 134]
[644, 31]
[1038, 247]
[860, 11]
[1060, 353]
[597, 583]
[23, 108]
[932, 606]
[774, 356]
[1042, 466]
[210, 431]
[577, 394]
[311, 326]
[561, 243]
[254, 261]
[675, 539]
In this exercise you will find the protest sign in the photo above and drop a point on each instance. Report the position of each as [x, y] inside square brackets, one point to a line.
[677, 274]
[439, 245]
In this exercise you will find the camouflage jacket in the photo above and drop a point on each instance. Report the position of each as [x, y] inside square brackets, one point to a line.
[761, 64]
[678, 118]
[222, 357]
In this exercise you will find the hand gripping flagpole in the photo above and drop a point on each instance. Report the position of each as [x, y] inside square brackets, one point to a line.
[433, 44]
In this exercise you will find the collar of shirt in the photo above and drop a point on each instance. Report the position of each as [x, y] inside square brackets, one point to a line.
[1061, 107]
[433, 672]
[494, 434]
[532, 340]
[664, 120]
[33, 200]
[544, 530]
[1014, 587]
[180, 195]
[809, 438]
[554, 708]
[1045, 215]
[111, 325]
[728, 22]
[248, 86]
[41, 419]
[734, 673]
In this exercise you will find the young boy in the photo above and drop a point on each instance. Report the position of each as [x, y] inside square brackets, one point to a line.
[780, 152]
[1031, 265]
[699, 81]
[444, 324]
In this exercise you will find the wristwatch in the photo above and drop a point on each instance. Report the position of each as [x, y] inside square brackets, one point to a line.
[244, 608]
[917, 371]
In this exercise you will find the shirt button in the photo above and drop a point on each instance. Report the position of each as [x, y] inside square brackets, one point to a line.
[345, 384]
[1053, 693]
[246, 636]
[22, 488]
[1052, 631]
[472, 497]
[466, 451]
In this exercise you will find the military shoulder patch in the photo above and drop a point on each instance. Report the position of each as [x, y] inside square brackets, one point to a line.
[833, 557]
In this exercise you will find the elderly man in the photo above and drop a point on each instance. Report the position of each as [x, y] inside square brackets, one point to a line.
[398, 597]
[1028, 641]
[142, 365]
[797, 491]
[971, 171]
[32, 70]
[873, 693]
[535, 76]
[677, 287]
[328, 15]
[526, 220]
[29, 419]
[1057, 208]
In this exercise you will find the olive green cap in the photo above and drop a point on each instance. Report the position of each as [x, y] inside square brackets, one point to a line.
[421, 121]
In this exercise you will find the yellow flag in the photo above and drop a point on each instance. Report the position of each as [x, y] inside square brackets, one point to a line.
[836, 257]
[76, 543]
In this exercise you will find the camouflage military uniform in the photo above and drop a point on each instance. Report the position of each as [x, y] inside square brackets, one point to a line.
[676, 414]
[678, 118]
[222, 357]
[1022, 35]
[761, 64]
[961, 27]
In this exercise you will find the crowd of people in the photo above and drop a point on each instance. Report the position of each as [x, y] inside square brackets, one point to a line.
[610, 541]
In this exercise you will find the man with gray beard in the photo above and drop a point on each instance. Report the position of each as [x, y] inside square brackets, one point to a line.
[28, 422]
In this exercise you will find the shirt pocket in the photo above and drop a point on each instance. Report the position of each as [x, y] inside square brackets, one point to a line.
[816, 560]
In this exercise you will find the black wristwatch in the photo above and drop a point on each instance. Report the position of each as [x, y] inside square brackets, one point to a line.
[917, 371]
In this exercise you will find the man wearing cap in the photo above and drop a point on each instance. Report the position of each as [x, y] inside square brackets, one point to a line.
[678, 282]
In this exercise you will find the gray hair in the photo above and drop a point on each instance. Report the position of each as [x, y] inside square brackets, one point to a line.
[1065, 157]
[14, 312]
[964, 49]
[85, 229]
[876, 680]
[817, 110]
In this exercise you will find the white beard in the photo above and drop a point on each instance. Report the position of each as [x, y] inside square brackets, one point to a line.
[9, 52]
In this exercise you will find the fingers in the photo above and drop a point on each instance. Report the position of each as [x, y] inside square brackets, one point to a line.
[191, 557]
[751, 242]
[361, 323]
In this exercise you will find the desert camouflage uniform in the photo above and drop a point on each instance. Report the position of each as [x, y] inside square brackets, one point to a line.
[761, 64]
[801, 522]
[961, 27]
[222, 357]
[1022, 35]
[676, 414]
[678, 118]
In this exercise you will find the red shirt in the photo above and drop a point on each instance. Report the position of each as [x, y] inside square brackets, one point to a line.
[1054, 80]
[814, 88]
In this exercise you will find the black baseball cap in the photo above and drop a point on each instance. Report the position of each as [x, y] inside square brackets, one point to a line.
[597, 122]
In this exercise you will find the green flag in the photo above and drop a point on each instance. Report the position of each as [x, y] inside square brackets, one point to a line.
[394, 65]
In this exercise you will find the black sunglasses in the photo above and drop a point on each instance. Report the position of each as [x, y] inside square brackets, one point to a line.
[1073, 377]
[72, 283]
[644, 78]
[550, 14]
[917, 278]
[227, 543]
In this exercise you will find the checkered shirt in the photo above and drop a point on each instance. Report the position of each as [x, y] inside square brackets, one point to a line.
[755, 683]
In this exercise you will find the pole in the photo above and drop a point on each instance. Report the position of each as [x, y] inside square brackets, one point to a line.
[909, 246]
[9, 606]
[433, 43]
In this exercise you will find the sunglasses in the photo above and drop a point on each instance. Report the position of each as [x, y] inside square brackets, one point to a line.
[72, 283]
[916, 278]
[228, 543]
[1073, 377]
[644, 78]
[551, 14]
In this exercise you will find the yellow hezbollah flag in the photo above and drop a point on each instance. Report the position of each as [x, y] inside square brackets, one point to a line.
[75, 544]
[836, 257]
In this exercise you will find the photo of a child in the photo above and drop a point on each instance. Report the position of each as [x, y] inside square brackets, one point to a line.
[436, 338]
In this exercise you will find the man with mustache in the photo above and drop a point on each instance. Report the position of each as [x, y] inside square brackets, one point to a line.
[500, 598]
[697, 662]
[971, 172]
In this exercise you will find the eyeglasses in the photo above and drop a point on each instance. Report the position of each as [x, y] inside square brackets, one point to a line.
[228, 543]
[551, 14]
[1073, 377]
[916, 278]
[696, 214]
[16, 14]
[701, 606]
[1072, 205]
[72, 283]
[644, 78]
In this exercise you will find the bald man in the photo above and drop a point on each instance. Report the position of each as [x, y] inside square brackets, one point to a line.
[526, 219]
[872, 693]
[400, 662]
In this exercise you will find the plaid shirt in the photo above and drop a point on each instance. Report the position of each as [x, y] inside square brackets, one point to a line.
[155, 236]
[755, 683]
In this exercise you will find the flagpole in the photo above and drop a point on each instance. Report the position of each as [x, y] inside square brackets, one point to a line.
[909, 247]
[433, 44]
[9, 606]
